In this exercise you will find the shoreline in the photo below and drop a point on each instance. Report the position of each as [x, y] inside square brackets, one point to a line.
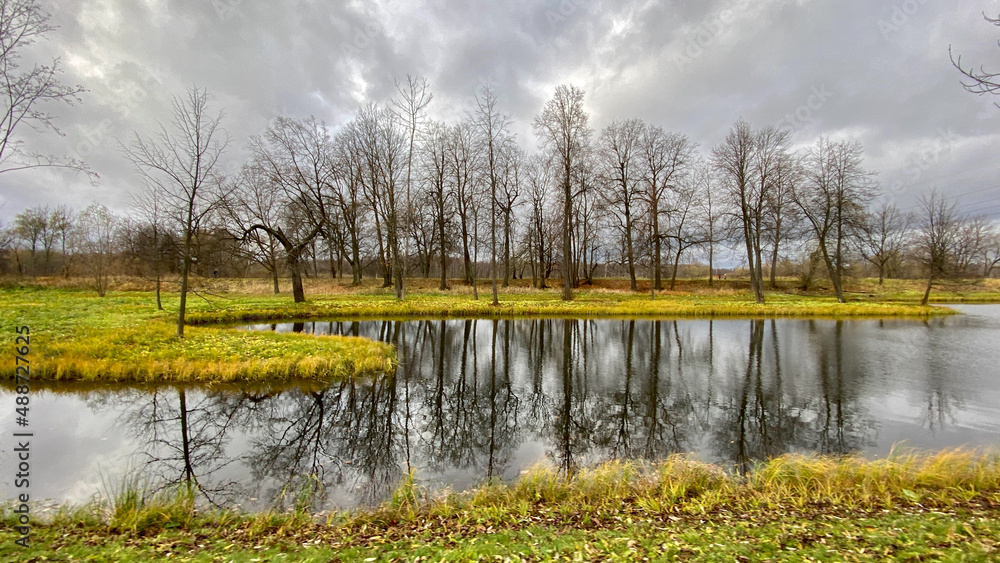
[122, 337]
[908, 504]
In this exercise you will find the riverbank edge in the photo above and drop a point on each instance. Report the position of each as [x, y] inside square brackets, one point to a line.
[123, 338]
[910, 504]
[584, 307]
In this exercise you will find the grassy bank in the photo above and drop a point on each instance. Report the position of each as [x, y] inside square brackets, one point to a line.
[907, 507]
[252, 300]
[123, 337]
[585, 305]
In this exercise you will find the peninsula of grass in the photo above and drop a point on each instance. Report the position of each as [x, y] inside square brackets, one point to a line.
[77, 336]
[909, 507]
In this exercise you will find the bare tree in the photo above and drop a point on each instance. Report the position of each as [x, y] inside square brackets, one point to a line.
[833, 198]
[381, 145]
[415, 96]
[710, 212]
[46, 232]
[349, 194]
[464, 163]
[152, 237]
[494, 134]
[256, 200]
[782, 213]
[61, 222]
[297, 159]
[97, 238]
[7, 237]
[563, 127]
[666, 159]
[883, 237]
[588, 215]
[539, 172]
[512, 163]
[938, 228]
[436, 168]
[681, 230]
[25, 90]
[978, 82]
[621, 174]
[991, 253]
[746, 179]
[30, 227]
[182, 164]
[975, 249]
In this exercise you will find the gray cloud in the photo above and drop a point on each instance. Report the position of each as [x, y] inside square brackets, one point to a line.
[694, 67]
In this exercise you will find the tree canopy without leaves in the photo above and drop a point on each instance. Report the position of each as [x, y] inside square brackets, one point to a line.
[938, 229]
[883, 237]
[564, 129]
[494, 136]
[25, 91]
[181, 163]
[749, 163]
[980, 81]
[834, 197]
[97, 237]
[295, 159]
[621, 175]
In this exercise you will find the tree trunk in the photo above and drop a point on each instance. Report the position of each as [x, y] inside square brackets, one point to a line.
[760, 272]
[541, 259]
[506, 249]
[185, 272]
[159, 302]
[534, 268]
[927, 292]
[333, 265]
[356, 257]
[711, 251]
[774, 264]
[630, 253]
[677, 260]
[294, 264]
[657, 282]
[752, 256]
[493, 237]
[475, 260]
[466, 253]
[441, 234]
[567, 293]
[831, 268]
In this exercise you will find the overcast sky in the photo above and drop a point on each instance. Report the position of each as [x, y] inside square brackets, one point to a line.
[875, 71]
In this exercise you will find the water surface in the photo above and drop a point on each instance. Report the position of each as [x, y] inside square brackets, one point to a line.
[474, 399]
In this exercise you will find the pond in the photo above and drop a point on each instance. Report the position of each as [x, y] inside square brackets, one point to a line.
[474, 399]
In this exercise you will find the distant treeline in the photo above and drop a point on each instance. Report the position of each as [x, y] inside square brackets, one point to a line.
[393, 194]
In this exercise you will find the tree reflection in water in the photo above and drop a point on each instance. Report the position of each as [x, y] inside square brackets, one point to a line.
[475, 399]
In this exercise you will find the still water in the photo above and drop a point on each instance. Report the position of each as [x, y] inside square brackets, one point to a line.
[474, 399]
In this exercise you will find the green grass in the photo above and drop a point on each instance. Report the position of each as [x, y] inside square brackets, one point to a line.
[77, 336]
[589, 305]
[910, 506]
[245, 301]
[911, 291]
